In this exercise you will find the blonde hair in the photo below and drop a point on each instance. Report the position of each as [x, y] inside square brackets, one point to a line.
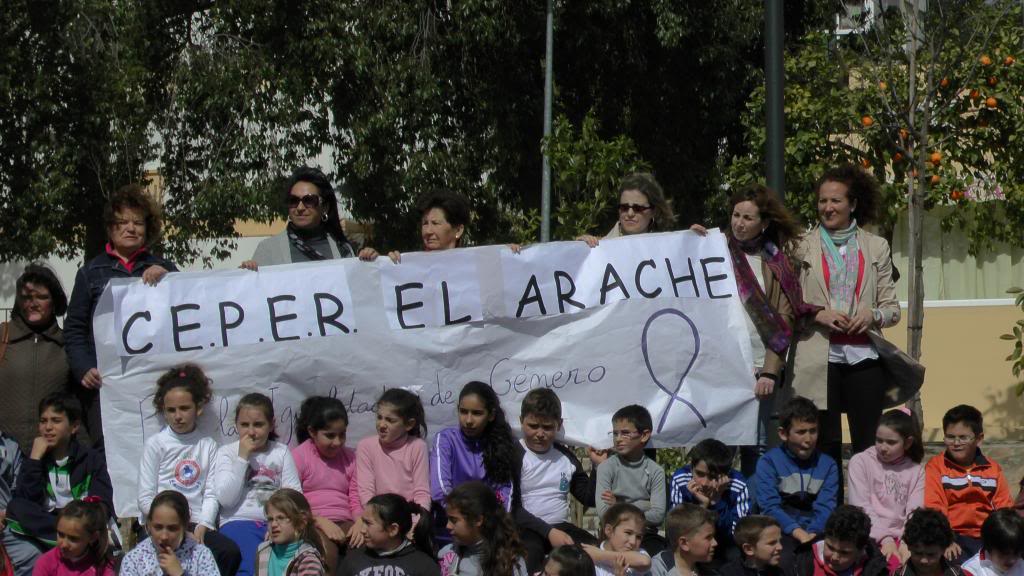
[294, 505]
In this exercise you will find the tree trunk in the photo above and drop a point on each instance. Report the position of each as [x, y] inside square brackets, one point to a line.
[915, 210]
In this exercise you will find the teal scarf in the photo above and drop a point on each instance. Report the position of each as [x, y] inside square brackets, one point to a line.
[842, 270]
[280, 556]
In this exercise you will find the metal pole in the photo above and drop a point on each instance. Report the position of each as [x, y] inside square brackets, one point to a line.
[545, 182]
[774, 80]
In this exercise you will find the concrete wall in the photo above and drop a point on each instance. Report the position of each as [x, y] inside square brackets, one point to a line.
[966, 364]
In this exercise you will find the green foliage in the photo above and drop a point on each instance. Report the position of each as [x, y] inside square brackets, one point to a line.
[226, 97]
[848, 100]
[1016, 335]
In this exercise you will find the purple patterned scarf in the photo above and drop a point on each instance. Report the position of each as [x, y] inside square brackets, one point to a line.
[773, 329]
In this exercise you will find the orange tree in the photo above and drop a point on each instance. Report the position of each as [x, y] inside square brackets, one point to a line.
[930, 102]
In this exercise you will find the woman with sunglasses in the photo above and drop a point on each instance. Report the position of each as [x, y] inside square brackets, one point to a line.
[314, 227]
[642, 208]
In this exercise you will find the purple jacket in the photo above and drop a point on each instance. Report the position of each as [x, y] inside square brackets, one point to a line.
[455, 459]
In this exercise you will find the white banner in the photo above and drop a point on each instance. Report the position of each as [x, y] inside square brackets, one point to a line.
[652, 320]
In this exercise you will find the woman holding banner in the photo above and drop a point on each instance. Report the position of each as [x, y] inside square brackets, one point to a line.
[444, 216]
[133, 228]
[848, 272]
[642, 208]
[314, 227]
[761, 235]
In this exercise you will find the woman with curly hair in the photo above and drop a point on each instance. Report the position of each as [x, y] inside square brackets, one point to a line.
[485, 540]
[133, 226]
[847, 271]
[762, 234]
[480, 448]
[642, 208]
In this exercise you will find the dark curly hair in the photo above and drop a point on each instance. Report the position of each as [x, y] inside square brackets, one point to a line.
[135, 197]
[499, 446]
[645, 183]
[318, 413]
[188, 376]
[783, 228]
[501, 548]
[40, 275]
[861, 187]
[328, 200]
[849, 524]
[928, 527]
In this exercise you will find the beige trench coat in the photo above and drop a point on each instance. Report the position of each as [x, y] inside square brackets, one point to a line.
[809, 352]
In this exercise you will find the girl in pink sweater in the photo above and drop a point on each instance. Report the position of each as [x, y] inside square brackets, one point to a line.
[82, 548]
[327, 471]
[395, 460]
[887, 481]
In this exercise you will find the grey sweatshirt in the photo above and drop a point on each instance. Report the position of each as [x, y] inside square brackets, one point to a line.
[640, 483]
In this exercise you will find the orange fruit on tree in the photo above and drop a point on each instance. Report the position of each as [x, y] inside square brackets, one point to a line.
[944, 83]
[1008, 61]
[897, 157]
[935, 179]
[956, 195]
[991, 102]
[985, 60]
[936, 158]
[865, 162]
[867, 121]
[975, 94]
[882, 85]
[992, 81]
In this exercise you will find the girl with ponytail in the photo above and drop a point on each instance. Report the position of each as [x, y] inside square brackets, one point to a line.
[388, 520]
[480, 448]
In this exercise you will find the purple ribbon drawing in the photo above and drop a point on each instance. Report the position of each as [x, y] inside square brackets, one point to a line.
[674, 393]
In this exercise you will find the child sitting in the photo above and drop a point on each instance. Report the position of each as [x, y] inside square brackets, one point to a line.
[387, 522]
[57, 472]
[170, 549]
[760, 542]
[548, 473]
[480, 448]
[620, 552]
[1002, 540]
[248, 472]
[484, 537]
[710, 481]
[963, 483]
[630, 476]
[795, 483]
[293, 547]
[691, 542]
[181, 458]
[327, 471]
[926, 536]
[82, 545]
[887, 481]
[846, 549]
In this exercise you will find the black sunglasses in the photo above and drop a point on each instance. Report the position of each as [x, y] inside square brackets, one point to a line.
[310, 200]
[638, 208]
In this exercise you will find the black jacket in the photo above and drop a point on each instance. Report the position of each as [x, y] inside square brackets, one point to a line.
[89, 284]
[27, 512]
[408, 560]
[581, 486]
[738, 568]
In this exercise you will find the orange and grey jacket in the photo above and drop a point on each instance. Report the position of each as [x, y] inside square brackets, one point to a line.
[966, 495]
